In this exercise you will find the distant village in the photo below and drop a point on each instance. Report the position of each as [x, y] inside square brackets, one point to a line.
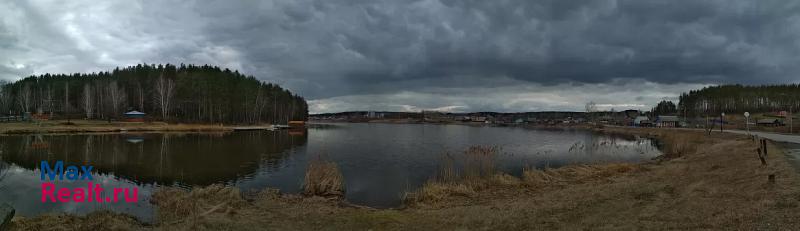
[635, 118]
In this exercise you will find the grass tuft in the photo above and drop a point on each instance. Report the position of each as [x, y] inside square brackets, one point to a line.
[175, 205]
[680, 144]
[323, 178]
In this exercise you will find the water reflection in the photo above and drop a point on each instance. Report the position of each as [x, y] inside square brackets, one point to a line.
[379, 162]
[190, 159]
[145, 161]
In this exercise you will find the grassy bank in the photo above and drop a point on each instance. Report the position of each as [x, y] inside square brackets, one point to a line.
[96, 126]
[704, 182]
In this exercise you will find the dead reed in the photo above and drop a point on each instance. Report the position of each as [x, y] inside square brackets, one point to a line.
[680, 144]
[323, 178]
[479, 161]
[477, 166]
[175, 205]
[574, 173]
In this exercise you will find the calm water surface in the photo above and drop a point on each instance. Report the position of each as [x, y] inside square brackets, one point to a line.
[379, 161]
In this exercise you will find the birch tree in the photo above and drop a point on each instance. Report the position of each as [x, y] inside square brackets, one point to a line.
[116, 96]
[87, 102]
[164, 91]
[24, 98]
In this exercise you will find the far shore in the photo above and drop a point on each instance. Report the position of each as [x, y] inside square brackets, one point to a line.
[79, 126]
[98, 126]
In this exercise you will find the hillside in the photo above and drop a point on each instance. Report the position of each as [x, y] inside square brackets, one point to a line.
[185, 93]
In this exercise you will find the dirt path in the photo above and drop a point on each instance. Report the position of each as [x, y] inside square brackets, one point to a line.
[711, 182]
[771, 136]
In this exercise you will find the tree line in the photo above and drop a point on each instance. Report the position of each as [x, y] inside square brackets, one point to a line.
[664, 107]
[714, 100]
[185, 93]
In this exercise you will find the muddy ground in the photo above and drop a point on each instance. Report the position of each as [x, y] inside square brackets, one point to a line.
[705, 182]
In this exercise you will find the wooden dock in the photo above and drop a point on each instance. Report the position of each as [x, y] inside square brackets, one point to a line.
[254, 128]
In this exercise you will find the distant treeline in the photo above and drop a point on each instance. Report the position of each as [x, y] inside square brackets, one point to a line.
[185, 93]
[737, 98]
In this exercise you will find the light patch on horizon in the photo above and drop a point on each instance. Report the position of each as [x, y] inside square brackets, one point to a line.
[521, 98]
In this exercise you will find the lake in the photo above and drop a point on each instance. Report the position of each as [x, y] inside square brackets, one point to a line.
[379, 162]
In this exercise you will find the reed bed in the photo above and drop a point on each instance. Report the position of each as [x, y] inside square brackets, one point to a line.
[323, 178]
[175, 205]
[477, 163]
[680, 144]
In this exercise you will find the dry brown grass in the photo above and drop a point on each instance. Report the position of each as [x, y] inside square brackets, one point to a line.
[479, 161]
[681, 144]
[575, 173]
[478, 164]
[436, 193]
[323, 178]
[100, 220]
[176, 205]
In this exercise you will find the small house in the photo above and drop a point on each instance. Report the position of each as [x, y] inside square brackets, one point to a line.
[769, 122]
[668, 121]
[134, 116]
[481, 119]
[642, 121]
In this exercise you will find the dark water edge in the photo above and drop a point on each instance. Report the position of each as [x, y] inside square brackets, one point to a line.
[379, 161]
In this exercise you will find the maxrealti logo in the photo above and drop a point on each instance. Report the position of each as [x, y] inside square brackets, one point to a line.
[92, 193]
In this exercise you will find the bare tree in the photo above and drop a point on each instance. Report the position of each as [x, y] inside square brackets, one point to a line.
[66, 109]
[116, 97]
[591, 106]
[24, 98]
[48, 101]
[5, 98]
[88, 105]
[141, 95]
[164, 91]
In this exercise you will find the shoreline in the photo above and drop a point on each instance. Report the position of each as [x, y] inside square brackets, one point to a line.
[703, 182]
[100, 127]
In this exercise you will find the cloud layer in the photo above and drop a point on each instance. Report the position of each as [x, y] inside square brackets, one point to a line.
[467, 55]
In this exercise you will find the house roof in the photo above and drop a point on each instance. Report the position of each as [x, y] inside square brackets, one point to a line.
[134, 113]
[668, 119]
[768, 121]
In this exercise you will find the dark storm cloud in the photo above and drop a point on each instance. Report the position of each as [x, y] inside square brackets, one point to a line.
[375, 46]
[411, 54]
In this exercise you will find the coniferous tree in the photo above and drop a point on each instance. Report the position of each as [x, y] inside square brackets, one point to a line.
[185, 93]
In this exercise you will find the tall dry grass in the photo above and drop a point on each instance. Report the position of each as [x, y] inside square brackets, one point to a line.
[475, 162]
[574, 173]
[175, 205]
[323, 178]
[479, 174]
[677, 144]
[477, 165]
[479, 161]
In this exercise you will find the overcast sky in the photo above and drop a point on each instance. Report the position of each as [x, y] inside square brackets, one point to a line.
[472, 55]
